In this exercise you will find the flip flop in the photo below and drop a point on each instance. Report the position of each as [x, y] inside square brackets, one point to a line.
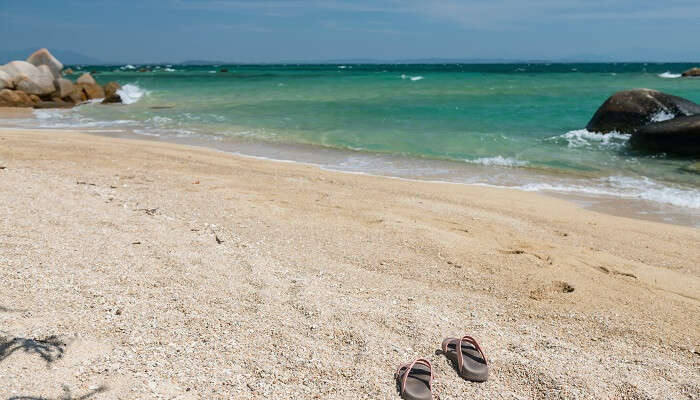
[415, 380]
[470, 361]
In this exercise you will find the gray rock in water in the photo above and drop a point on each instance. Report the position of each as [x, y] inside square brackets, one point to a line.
[86, 78]
[629, 110]
[692, 72]
[676, 136]
[44, 57]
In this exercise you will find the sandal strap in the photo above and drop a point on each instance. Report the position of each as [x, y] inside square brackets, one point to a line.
[458, 349]
[409, 367]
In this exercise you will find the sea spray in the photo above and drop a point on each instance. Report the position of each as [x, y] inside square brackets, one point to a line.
[585, 138]
[498, 160]
[130, 93]
[668, 74]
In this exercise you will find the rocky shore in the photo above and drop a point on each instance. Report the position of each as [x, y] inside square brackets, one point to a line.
[41, 82]
[656, 121]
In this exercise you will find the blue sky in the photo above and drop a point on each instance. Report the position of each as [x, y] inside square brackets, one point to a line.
[309, 30]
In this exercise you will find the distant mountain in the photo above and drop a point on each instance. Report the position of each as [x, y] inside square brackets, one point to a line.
[67, 57]
[205, 62]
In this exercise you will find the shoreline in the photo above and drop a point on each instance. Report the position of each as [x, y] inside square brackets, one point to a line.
[156, 269]
[329, 159]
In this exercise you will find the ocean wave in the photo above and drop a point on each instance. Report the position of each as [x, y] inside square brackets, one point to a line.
[128, 66]
[168, 69]
[583, 137]
[70, 118]
[131, 93]
[412, 78]
[642, 188]
[498, 160]
[668, 74]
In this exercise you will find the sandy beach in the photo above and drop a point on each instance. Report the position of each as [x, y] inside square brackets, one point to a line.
[136, 269]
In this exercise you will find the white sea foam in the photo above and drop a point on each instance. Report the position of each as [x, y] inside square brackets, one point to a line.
[583, 137]
[128, 66]
[628, 187]
[668, 74]
[498, 160]
[412, 78]
[159, 121]
[169, 69]
[662, 116]
[342, 66]
[131, 93]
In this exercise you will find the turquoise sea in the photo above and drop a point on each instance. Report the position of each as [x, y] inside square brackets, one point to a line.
[516, 125]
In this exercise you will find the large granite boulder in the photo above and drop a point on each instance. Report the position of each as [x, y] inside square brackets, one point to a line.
[44, 57]
[6, 81]
[88, 91]
[629, 110]
[64, 87]
[86, 78]
[40, 83]
[14, 98]
[692, 72]
[111, 95]
[30, 78]
[680, 135]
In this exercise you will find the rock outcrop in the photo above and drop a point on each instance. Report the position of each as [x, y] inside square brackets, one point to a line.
[44, 57]
[86, 78]
[39, 82]
[676, 136]
[629, 110]
[691, 72]
[111, 95]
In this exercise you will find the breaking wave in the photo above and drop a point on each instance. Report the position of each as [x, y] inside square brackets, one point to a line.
[668, 74]
[583, 138]
[131, 93]
[412, 78]
[628, 187]
[497, 160]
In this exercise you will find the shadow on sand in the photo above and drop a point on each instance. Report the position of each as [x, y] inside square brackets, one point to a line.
[65, 396]
[49, 349]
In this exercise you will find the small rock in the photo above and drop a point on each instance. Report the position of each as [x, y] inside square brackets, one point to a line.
[693, 72]
[111, 95]
[86, 78]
